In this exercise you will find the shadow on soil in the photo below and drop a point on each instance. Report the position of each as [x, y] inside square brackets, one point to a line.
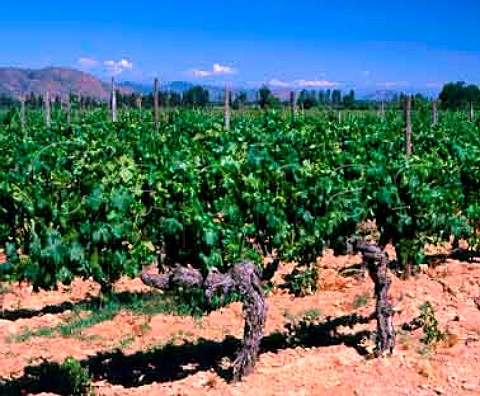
[31, 313]
[175, 362]
[124, 299]
[433, 260]
[460, 254]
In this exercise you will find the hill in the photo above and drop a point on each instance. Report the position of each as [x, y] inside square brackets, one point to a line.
[55, 80]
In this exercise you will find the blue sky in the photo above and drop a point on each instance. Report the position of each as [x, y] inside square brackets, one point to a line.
[312, 44]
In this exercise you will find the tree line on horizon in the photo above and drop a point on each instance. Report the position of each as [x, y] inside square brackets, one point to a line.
[453, 96]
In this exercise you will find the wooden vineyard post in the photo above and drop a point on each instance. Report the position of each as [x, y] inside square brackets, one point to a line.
[227, 108]
[293, 105]
[155, 104]
[48, 115]
[434, 112]
[69, 111]
[138, 101]
[382, 110]
[408, 125]
[22, 113]
[471, 112]
[114, 101]
[408, 150]
[78, 108]
[241, 108]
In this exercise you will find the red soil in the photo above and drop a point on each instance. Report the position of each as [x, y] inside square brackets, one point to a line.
[451, 369]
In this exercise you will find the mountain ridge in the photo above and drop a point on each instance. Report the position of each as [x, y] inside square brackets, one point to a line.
[61, 81]
[57, 81]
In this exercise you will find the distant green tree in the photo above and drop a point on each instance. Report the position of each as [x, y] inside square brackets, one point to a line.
[321, 98]
[307, 99]
[165, 99]
[33, 101]
[175, 99]
[7, 102]
[472, 93]
[419, 99]
[349, 100]
[240, 100]
[196, 96]
[458, 95]
[328, 97]
[265, 97]
[336, 97]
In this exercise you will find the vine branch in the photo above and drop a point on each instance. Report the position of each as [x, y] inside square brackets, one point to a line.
[244, 278]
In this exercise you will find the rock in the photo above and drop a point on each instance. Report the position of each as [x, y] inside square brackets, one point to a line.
[452, 378]
[425, 369]
[471, 387]
[451, 339]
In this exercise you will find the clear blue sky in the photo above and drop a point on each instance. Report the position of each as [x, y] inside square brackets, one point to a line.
[367, 43]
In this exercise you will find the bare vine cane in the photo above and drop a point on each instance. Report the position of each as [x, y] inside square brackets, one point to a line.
[244, 278]
[376, 261]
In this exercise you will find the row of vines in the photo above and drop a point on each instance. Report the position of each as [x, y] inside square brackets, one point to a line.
[101, 199]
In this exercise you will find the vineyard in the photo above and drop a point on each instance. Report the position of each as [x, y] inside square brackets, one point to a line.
[260, 213]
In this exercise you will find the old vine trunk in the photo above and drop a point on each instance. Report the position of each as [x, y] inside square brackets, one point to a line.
[377, 263]
[245, 279]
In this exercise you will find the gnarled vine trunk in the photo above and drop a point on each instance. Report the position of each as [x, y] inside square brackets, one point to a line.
[377, 264]
[244, 278]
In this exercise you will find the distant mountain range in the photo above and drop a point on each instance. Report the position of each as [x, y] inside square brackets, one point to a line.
[177, 86]
[380, 96]
[60, 81]
[54, 80]
[216, 92]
